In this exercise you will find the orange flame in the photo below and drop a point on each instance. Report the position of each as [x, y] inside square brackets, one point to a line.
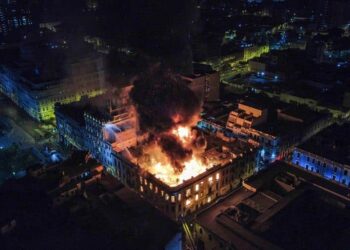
[159, 165]
[183, 133]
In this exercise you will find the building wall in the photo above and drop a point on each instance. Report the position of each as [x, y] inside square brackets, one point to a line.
[187, 199]
[204, 239]
[206, 86]
[255, 51]
[70, 132]
[322, 166]
[94, 136]
[238, 119]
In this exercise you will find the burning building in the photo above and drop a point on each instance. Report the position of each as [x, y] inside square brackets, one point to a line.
[147, 137]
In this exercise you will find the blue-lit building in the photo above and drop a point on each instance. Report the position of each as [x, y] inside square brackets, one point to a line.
[326, 154]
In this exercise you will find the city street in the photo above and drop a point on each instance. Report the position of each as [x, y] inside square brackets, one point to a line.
[29, 136]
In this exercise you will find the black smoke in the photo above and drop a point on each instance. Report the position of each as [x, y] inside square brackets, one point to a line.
[163, 100]
[175, 151]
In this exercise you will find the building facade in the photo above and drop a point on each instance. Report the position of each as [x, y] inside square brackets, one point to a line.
[326, 154]
[37, 95]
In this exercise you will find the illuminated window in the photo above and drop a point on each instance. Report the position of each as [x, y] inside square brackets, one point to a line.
[141, 189]
[172, 198]
[156, 190]
[196, 197]
[188, 202]
[217, 176]
[145, 182]
[162, 192]
[150, 186]
[197, 187]
[210, 179]
[166, 197]
[188, 192]
[209, 199]
[179, 197]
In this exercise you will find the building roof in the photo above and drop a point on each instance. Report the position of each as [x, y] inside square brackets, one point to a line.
[289, 119]
[332, 143]
[287, 220]
[96, 106]
[279, 127]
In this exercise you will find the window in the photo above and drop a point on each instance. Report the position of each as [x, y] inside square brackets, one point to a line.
[308, 158]
[188, 192]
[179, 197]
[197, 187]
[345, 172]
[217, 176]
[196, 197]
[209, 199]
[335, 169]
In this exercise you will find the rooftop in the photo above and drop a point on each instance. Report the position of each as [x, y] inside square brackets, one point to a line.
[287, 119]
[279, 214]
[334, 141]
[97, 106]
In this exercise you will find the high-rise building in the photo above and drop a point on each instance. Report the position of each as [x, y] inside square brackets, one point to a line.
[14, 15]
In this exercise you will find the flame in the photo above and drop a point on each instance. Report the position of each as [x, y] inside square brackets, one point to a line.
[183, 133]
[158, 164]
[166, 173]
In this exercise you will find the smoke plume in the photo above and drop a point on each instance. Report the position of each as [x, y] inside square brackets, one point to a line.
[163, 101]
